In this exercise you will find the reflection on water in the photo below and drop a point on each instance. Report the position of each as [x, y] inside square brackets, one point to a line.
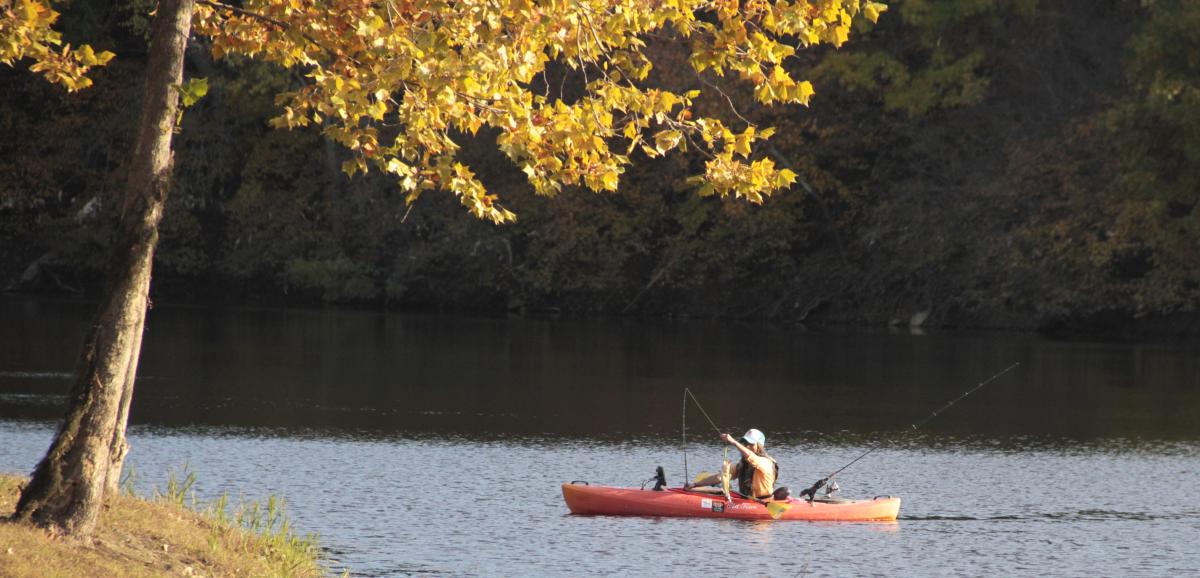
[484, 377]
[435, 445]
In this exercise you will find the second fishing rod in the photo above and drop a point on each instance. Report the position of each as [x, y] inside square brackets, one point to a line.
[810, 492]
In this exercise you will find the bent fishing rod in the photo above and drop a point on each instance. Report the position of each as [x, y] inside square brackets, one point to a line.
[811, 491]
[686, 393]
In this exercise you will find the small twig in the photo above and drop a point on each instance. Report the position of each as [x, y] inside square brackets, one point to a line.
[722, 93]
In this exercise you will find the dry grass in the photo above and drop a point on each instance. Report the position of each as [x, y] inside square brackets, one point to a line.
[158, 537]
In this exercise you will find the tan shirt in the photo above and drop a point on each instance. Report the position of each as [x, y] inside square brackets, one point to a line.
[763, 483]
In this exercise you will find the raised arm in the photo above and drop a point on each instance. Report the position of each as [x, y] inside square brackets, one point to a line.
[741, 448]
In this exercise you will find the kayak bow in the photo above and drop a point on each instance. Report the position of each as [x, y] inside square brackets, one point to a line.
[586, 499]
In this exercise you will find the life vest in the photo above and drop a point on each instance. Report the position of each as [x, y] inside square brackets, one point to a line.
[746, 476]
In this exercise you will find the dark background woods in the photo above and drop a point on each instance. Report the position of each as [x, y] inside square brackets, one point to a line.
[986, 163]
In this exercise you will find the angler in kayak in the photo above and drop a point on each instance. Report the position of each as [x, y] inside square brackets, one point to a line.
[756, 472]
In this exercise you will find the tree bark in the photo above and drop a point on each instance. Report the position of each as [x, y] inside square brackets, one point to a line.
[68, 487]
[119, 448]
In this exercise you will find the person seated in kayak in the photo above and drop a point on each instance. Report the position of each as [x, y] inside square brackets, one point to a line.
[755, 472]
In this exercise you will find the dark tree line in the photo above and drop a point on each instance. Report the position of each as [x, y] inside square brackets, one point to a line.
[1018, 164]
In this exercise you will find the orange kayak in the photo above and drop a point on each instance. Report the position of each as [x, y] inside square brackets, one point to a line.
[582, 498]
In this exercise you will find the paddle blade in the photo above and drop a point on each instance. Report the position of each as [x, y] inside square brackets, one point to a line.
[776, 509]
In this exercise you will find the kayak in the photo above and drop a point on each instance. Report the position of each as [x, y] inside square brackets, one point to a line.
[583, 498]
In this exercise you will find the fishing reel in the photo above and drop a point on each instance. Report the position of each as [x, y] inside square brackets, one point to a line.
[810, 493]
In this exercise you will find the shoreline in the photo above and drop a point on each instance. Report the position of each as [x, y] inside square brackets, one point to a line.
[159, 536]
[1182, 326]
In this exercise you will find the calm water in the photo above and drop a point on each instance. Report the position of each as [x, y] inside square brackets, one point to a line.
[436, 445]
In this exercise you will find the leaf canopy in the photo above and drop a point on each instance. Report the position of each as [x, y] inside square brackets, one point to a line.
[400, 82]
[25, 32]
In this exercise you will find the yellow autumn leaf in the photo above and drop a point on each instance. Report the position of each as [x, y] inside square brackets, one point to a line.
[805, 92]
[31, 9]
[872, 10]
[741, 145]
[610, 180]
[449, 68]
[666, 140]
[841, 34]
[784, 178]
[396, 167]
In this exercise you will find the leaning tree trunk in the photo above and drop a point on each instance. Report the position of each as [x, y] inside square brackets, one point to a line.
[69, 484]
[119, 448]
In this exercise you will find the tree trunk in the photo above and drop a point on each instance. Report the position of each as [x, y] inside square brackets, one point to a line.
[119, 448]
[69, 484]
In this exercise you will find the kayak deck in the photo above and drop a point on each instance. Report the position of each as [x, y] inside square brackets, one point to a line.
[677, 502]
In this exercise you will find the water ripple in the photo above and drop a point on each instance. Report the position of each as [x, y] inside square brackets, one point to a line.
[1069, 516]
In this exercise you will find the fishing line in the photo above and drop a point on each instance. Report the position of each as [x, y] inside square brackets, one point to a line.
[686, 393]
[811, 491]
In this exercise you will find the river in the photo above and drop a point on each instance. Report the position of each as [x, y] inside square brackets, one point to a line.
[435, 445]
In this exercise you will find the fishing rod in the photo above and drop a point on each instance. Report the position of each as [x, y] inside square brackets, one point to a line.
[686, 393]
[812, 490]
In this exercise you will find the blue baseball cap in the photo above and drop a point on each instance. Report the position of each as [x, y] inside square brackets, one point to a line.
[753, 436]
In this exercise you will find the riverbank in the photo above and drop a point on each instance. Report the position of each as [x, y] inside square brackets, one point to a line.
[152, 537]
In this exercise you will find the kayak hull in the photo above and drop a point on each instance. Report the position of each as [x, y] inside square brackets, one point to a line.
[677, 502]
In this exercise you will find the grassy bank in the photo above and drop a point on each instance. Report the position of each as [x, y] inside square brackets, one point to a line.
[159, 537]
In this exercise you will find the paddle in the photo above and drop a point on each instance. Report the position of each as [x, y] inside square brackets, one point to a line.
[776, 509]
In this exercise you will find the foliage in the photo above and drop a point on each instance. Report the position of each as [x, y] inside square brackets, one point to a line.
[180, 492]
[251, 525]
[938, 60]
[1161, 123]
[1121, 234]
[338, 279]
[25, 32]
[1037, 165]
[398, 83]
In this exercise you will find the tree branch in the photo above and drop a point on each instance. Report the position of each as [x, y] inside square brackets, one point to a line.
[284, 26]
[247, 13]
